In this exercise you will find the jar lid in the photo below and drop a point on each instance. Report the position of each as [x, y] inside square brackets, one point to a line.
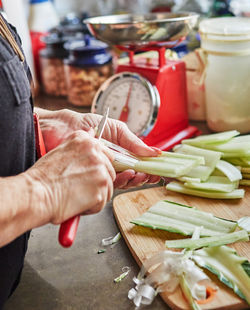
[230, 27]
[87, 52]
[54, 45]
[86, 45]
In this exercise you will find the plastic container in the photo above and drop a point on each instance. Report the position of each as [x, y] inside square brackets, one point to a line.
[226, 44]
[52, 66]
[42, 16]
[88, 66]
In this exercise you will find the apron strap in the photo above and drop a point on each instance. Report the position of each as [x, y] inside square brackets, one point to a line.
[6, 33]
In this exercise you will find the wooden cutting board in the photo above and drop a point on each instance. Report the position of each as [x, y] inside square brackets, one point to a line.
[144, 242]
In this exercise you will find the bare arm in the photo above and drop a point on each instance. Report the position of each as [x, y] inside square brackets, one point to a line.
[21, 206]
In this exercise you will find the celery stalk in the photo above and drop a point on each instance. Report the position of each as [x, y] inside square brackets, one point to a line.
[212, 138]
[214, 183]
[182, 219]
[178, 187]
[223, 239]
[230, 268]
[229, 170]
[245, 182]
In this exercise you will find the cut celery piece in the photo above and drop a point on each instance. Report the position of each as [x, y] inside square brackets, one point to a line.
[245, 169]
[214, 183]
[235, 161]
[245, 182]
[188, 179]
[162, 168]
[174, 161]
[182, 219]
[246, 176]
[192, 244]
[230, 147]
[198, 158]
[211, 157]
[201, 172]
[230, 268]
[244, 223]
[212, 138]
[241, 139]
[180, 188]
[236, 154]
[229, 170]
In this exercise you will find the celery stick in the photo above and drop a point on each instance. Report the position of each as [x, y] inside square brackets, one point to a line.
[211, 157]
[178, 187]
[198, 158]
[223, 239]
[230, 268]
[236, 153]
[245, 169]
[161, 168]
[215, 184]
[173, 161]
[188, 179]
[212, 138]
[230, 147]
[182, 219]
[201, 172]
[245, 182]
[235, 161]
[244, 223]
[241, 139]
[246, 176]
[229, 170]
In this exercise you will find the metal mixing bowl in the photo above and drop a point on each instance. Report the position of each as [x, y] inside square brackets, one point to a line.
[141, 30]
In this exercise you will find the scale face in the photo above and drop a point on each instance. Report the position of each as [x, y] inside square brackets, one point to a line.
[131, 99]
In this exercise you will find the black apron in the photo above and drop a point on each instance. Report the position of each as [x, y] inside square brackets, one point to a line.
[17, 149]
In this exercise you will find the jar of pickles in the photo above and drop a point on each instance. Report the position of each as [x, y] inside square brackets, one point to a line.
[52, 66]
[89, 64]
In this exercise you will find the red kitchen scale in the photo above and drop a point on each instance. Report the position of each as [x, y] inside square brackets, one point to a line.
[149, 94]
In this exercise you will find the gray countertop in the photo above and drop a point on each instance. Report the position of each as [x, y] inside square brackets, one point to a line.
[77, 278]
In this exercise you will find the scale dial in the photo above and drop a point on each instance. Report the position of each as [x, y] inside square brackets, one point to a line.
[131, 99]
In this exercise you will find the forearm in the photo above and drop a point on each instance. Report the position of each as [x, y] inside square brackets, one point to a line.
[21, 206]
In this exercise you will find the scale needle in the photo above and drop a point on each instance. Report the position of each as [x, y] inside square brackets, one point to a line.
[125, 110]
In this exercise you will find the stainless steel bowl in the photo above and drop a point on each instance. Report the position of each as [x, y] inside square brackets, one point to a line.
[141, 30]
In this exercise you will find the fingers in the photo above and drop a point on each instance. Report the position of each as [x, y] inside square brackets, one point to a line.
[123, 178]
[121, 135]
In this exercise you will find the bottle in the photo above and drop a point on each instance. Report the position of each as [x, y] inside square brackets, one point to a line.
[42, 17]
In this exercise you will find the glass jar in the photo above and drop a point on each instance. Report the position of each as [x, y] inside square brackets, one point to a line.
[89, 64]
[226, 45]
[52, 66]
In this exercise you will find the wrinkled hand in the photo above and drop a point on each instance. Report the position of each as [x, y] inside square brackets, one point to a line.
[62, 123]
[77, 177]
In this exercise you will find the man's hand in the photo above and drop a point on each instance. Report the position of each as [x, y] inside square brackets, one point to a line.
[76, 177]
[57, 126]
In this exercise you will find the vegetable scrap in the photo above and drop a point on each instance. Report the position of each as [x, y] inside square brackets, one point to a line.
[125, 272]
[226, 167]
[101, 251]
[111, 240]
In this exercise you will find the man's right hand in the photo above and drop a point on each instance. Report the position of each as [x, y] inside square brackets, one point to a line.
[74, 178]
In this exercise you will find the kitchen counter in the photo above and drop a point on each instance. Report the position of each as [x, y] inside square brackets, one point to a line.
[77, 278]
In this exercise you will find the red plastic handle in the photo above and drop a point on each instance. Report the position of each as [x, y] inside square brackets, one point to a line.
[67, 232]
